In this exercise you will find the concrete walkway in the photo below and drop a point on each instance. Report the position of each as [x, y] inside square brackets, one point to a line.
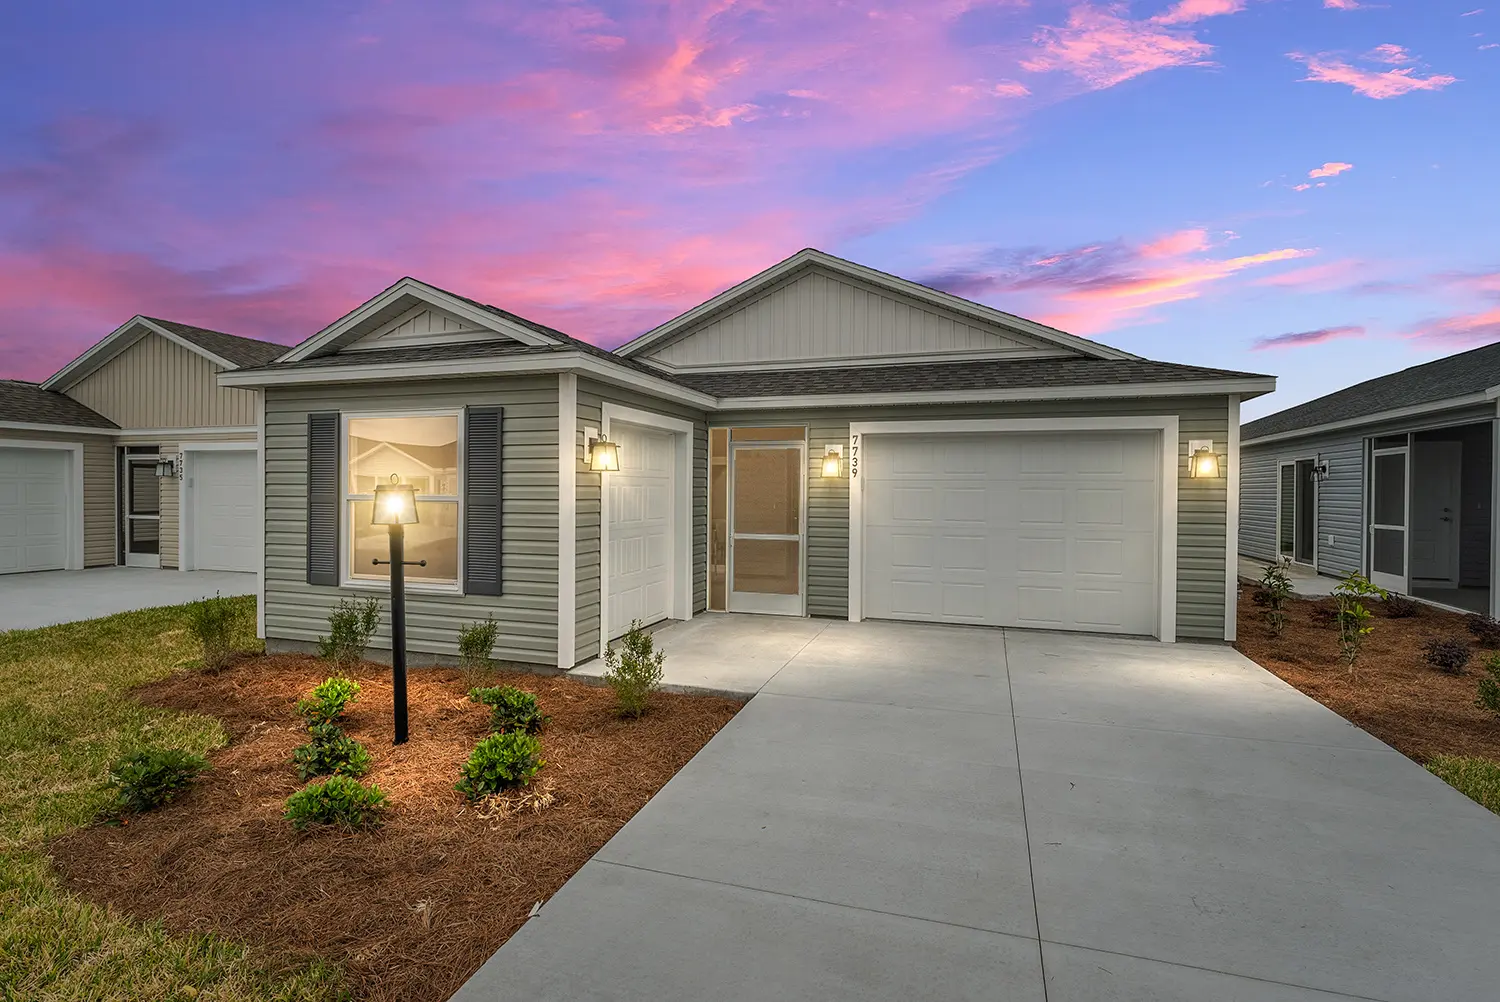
[48, 597]
[909, 812]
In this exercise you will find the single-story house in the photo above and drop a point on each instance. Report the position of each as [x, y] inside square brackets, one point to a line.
[1393, 477]
[133, 454]
[822, 439]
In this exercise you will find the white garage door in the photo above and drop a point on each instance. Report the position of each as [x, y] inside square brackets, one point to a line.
[222, 494]
[33, 510]
[640, 528]
[1050, 531]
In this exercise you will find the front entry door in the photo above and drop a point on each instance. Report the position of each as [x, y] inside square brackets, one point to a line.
[142, 513]
[1388, 521]
[767, 527]
[1436, 484]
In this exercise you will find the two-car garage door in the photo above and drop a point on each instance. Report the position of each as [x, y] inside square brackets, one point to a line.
[1055, 531]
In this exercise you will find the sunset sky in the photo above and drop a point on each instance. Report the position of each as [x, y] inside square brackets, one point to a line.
[1300, 187]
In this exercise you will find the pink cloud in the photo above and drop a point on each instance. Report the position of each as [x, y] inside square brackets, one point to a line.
[1394, 55]
[1301, 339]
[1333, 169]
[1471, 13]
[1103, 49]
[1464, 328]
[1176, 244]
[1341, 4]
[1378, 84]
[1187, 11]
[1317, 277]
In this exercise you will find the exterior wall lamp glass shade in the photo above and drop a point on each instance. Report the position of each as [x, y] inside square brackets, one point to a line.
[833, 464]
[395, 504]
[604, 457]
[1204, 464]
[166, 468]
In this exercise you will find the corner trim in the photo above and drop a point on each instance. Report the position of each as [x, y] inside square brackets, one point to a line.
[567, 518]
[1232, 526]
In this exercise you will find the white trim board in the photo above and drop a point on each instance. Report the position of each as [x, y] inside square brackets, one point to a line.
[1232, 525]
[66, 429]
[682, 511]
[567, 518]
[74, 488]
[1165, 424]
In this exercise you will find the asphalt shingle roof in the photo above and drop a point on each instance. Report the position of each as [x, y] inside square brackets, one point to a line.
[28, 403]
[1458, 375]
[242, 351]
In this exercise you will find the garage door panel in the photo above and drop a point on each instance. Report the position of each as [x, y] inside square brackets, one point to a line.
[640, 541]
[224, 513]
[33, 509]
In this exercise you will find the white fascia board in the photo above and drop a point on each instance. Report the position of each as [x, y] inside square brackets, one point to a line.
[106, 349]
[1380, 417]
[68, 429]
[1109, 391]
[248, 431]
[421, 290]
[865, 361]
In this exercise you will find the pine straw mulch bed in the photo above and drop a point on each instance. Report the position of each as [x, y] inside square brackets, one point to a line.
[1392, 693]
[415, 907]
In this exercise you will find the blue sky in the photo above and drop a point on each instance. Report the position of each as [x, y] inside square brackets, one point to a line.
[1301, 187]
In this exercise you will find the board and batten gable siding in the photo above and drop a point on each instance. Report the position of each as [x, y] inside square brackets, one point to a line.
[98, 489]
[1202, 505]
[157, 383]
[591, 399]
[526, 612]
[816, 314]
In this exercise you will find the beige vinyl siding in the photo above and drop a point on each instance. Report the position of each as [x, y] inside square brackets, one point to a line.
[526, 612]
[816, 314]
[1201, 504]
[98, 489]
[591, 399]
[157, 383]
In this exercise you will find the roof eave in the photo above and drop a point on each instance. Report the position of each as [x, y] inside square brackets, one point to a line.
[1379, 417]
[95, 357]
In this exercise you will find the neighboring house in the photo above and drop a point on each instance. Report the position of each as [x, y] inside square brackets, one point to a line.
[133, 454]
[1393, 477]
[1004, 473]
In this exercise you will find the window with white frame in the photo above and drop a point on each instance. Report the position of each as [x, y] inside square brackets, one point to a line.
[417, 449]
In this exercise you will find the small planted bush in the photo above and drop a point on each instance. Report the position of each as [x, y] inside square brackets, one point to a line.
[331, 752]
[633, 670]
[1447, 654]
[511, 709]
[1275, 589]
[1399, 607]
[1489, 686]
[350, 627]
[1352, 617]
[1486, 630]
[211, 622]
[500, 762]
[328, 700]
[475, 642]
[337, 800]
[151, 777]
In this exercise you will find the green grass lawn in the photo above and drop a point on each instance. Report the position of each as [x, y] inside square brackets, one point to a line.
[65, 716]
[1476, 778]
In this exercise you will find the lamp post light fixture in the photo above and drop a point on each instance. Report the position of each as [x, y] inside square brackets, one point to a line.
[396, 508]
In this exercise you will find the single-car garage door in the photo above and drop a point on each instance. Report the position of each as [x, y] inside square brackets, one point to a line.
[222, 498]
[33, 510]
[1055, 531]
[640, 528]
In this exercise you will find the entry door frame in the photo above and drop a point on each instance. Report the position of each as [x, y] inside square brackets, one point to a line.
[1294, 462]
[1170, 453]
[775, 605]
[187, 558]
[1390, 582]
[127, 520]
[684, 442]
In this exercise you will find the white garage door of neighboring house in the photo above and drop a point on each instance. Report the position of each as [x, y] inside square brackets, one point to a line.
[33, 510]
[1055, 531]
[640, 527]
[222, 491]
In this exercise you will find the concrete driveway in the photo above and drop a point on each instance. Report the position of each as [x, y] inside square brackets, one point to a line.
[909, 812]
[45, 598]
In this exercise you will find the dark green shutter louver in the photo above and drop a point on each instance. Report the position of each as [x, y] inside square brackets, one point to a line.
[482, 508]
[323, 499]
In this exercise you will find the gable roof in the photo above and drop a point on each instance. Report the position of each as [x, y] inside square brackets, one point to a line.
[810, 257]
[27, 403]
[228, 351]
[1470, 374]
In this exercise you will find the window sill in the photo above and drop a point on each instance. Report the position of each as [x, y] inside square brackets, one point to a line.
[412, 587]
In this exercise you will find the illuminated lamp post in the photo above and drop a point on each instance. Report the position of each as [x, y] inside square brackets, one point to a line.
[396, 508]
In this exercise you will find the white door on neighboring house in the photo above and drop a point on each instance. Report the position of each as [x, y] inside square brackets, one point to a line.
[33, 510]
[222, 510]
[641, 498]
[1436, 485]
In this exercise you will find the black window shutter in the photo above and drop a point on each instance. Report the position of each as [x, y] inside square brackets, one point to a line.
[323, 499]
[482, 508]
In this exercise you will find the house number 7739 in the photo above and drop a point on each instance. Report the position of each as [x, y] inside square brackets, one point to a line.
[853, 457]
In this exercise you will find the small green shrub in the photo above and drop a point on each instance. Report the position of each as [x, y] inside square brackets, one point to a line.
[331, 752]
[633, 671]
[151, 777]
[337, 800]
[1486, 630]
[475, 642]
[1275, 590]
[211, 622]
[1489, 686]
[1474, 777]
[1352, 617]
[1399, 607]
[511, 709]
[499, 762]
[1447, 654]
[350, 627]
[328, 700]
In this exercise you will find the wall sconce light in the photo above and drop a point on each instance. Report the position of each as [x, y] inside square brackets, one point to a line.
[1203, 462]
[603, 455]
[833, 460]
[1320, 471]
[166, 468]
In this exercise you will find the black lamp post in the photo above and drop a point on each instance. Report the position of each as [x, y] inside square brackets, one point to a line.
[396, 507]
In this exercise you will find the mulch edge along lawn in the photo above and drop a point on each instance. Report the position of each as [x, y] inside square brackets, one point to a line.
[325, 914]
